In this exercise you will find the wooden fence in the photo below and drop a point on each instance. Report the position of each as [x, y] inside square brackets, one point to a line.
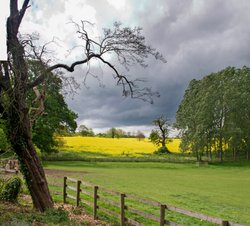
[124, 207]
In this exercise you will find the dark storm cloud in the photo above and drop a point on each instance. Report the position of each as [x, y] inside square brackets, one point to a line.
[106, 107]
[197, 38]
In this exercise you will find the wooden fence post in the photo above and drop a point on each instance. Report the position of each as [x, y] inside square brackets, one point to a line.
[78, 191]
[162, 215]
[225, 223]
[95, 202]
[64, 189]
[123, 209]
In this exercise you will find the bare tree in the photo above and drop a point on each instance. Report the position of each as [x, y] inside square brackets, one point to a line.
[127, 45]
[140, 135]
[159, 135]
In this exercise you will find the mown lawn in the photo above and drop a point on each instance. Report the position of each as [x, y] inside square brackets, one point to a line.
[216, 190]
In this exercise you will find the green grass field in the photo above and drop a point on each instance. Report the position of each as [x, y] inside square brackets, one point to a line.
[216, 190]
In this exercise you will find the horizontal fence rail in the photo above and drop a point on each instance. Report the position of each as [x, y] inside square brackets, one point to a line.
[125, 208]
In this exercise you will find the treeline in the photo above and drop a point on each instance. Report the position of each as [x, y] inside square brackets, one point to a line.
[111, 133]
[214, 115]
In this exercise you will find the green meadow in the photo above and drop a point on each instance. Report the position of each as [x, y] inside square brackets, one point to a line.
[219, 190]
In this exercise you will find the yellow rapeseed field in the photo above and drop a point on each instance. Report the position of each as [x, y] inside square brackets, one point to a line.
[121, 146]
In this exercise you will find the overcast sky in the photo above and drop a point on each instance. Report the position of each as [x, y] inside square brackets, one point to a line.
[197, 37]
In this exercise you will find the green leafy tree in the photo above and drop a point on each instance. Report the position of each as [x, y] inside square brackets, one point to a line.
[112, 132]
[155, 137]
[85, 131]
[116, 133]
[60, 120]
[140, 135]
[213, 114]
[56, 118]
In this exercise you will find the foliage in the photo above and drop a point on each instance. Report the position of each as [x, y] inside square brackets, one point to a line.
[24, 215]
[4, 142]
[99, 157]
[2, 182]
[159, 135]
[58, 119]
[154, 137]
[56, 216]
[11, 189]
[140, 135]
[119, 133]
[85, 131]
[115, 133]
[214, 113]
[162, 150]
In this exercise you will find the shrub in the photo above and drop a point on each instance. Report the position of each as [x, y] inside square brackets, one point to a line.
[4, 144]
[56, 216]
[52, 216]
[11, 189]
[162, 150]
[2, 182]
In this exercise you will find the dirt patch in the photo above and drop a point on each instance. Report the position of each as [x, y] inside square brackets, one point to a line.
[59, 174]
[78, 215]
[55, 172]
[56, 176]
[13, 208]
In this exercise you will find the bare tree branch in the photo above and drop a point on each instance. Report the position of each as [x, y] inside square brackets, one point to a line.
[126, 45]
[122, 80]
[70, 68]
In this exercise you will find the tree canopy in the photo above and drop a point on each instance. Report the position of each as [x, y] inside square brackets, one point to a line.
[214, 113]
[85, 131]
[58, 118]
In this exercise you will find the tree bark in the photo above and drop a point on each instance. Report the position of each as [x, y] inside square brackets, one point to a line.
[31, 167]
[221, 145]
[18, 114]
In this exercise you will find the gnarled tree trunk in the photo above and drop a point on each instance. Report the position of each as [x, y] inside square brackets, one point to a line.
[31, 167]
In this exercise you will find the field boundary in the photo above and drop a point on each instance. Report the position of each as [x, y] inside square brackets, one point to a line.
[124, 208]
